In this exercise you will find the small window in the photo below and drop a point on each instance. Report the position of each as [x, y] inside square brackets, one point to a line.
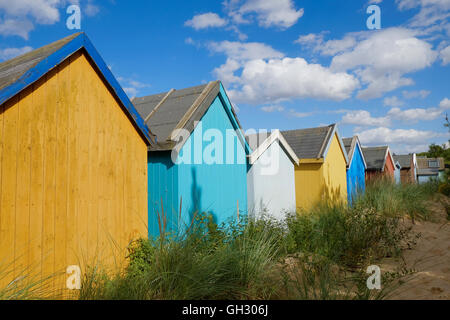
[433, 164]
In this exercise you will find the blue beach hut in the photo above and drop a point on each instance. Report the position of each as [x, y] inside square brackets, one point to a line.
[356, 168]
[198, 164]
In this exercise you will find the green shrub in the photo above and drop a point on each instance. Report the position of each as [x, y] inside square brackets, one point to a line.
[347, 236]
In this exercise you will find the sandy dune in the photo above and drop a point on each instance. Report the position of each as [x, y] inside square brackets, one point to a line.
[430, 258]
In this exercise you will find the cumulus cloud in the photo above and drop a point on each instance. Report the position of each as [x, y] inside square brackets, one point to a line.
[257, 73]
[18, 17]
[131, 86]
[296, 114]
[445, 104]
[387, 136]
[206, 20]
[414, 115]
[288, 78]
[364, 118]
[268, 13]
[393, 101]
[415, 94]
[272, 108]
[9, 53]
[15, 27]
[382, 59]
[445, 55]
[242, 51]
[432, 12]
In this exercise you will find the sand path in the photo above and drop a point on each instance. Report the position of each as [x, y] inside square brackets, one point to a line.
[430, 258]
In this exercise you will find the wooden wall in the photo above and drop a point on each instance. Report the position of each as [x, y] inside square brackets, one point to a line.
[335, 173]
[327, 180]
[73, 176]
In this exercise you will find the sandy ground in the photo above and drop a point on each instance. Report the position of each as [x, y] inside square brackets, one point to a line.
[430, 259]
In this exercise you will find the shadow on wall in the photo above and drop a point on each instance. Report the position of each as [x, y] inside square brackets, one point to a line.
[332, 195]
[196, 201]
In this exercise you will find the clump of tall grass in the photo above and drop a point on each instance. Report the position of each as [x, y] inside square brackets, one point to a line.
[350, 237]
[27, 284]
[396, 200]
[232, 261]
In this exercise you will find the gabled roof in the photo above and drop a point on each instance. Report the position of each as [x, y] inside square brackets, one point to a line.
[376, 157]
[423, 163]
[169, 111]
[313, 143]
[404, 160]
[260, 142]
[350, 144]
[21, 72]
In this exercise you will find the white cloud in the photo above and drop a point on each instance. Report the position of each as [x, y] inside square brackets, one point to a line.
[268, 13]
[415, 94]
[272, 108]
[445, 104]
[416, 139]
[297, 114]
[17, 17]
[206, 20]
[275, 80]
[15, 27]
[241, 51]
[445, 55]
[43, 11]
[257, 73]
[432, 12]
[9, 53]
[393, 101]
[414, 115]
[382, 59]
[364, 118]
[131, 86]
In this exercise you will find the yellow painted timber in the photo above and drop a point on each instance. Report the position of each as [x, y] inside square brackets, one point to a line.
[322, 179]
[73, 175]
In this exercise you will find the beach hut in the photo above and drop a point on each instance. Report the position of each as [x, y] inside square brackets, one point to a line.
[321, 173]
[356, 168]
[73, 157]
[408, 171]
[199, 164]
[429, 169]
[397, 170]
[270, 177]
[380, 163]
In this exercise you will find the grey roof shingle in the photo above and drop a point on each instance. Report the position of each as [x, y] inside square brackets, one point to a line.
[375, 157]
[255, 140]
[404, 160]
[180, 110]
[347, 144]
[309, 143]
[168, 115]
[12, 70]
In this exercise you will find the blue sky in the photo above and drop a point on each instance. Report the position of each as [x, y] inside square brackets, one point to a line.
[285, 64]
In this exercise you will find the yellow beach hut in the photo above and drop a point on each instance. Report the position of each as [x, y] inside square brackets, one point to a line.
[73, 164]
[321, 172]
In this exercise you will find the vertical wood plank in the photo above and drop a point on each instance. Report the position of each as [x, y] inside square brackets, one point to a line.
[37, 175]
[48, 223]
[63, 79]
[22, 222]
[8, 194]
